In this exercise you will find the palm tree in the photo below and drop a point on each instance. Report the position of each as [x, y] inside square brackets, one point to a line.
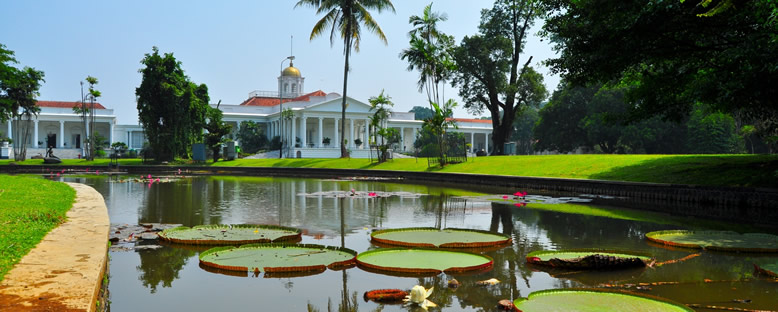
[346, 17]
[429, 52]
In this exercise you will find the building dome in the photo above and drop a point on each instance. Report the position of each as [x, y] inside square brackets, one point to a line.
[291, 71]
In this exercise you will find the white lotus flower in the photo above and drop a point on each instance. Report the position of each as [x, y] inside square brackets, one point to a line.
[419, 296]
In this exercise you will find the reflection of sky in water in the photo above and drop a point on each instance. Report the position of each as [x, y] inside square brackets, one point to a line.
[171, 279]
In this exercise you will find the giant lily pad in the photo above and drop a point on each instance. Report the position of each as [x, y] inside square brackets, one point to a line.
[230, 234]
[769, 269]
[584, 300]
[446, 238]
[588, 259]
[716, 240]
[274, 258]
[422, 261]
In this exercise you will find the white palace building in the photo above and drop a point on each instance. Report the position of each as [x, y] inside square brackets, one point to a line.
[316, 116]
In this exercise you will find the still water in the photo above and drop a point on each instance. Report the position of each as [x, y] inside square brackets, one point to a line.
[170, 278]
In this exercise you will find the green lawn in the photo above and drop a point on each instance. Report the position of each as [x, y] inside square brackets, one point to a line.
[29, 208]
[729, 170]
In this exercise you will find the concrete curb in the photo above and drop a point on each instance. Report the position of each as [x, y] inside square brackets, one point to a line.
[65, 271]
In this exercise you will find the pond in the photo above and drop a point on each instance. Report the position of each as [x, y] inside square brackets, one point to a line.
[171, 279]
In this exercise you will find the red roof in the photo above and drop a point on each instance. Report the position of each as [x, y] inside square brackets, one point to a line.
[470, 120]
[269, 101]
[60, 104]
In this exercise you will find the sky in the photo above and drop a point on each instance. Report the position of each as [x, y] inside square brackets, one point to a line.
[234, 47]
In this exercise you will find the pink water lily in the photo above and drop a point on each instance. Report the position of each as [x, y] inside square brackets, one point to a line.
[520, 194]
[97, 172]
[520, 204]
[149, 177]
[505, 197]
[371, 194]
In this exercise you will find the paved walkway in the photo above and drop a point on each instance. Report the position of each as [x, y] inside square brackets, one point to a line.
[64, 272]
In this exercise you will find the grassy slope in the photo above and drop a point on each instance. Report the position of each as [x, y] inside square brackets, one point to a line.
[730, 170]
[29, 208]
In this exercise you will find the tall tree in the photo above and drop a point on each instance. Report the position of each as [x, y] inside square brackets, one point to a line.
[489, 74]
[430, 52]
[22, 91]
[673, 54]
[251, 137]
[346, 17]
[171, 108]
[87, 114]
[7, 73]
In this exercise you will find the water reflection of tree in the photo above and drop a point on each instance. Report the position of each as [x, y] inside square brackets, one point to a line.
[190, 202]
[161, 266]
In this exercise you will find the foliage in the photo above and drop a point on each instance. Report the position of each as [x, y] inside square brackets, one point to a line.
[522, 131]
[712, 133]
[381, 104]
[171, 108]
[430, 52]
[595, 118]
[670, 56]
[21, 89]
[438, 125]
[345, 17]
[217, 129]
[421, 113]
[7, 73]
[31, 208]
[119, 147]
[100, 144]
[275, 143]
[489, 75]
[251, 136]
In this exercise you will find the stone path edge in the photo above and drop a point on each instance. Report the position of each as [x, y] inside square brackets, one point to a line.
[65, 270]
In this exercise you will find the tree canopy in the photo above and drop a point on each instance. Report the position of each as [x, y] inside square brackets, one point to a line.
[672, 54]
[490, 74]
[171, 108]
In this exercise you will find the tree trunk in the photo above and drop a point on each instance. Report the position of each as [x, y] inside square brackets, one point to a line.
[343, 152]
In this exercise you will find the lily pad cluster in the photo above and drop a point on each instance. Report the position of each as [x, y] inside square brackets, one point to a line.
[278, 258]
[422, 261]
[230, 234]
[585, 300]
[446, 238]
[716, 240]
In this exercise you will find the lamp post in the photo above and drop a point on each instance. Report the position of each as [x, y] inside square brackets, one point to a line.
[281, 106]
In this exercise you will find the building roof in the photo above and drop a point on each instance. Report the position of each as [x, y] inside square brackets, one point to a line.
[273, 101]
[60, 104]
[470, 120]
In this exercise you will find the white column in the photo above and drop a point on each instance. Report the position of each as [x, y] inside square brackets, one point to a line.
[321, 134]
[486, 140]
[337, 132]
[472, 141]
[10, 136]
[129, 139]
[304, 130]
[294, 131]
[110, 133]
[35, 137]
[351, 137]
[366, 135]
[402, 138]
[61, 134]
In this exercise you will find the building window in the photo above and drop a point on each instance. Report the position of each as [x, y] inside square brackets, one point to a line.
[294, 88]
[286, 88]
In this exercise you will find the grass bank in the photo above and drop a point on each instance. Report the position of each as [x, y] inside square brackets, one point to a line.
[713, 170]
[29, 208]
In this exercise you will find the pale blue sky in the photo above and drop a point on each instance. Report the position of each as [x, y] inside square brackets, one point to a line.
[234, 47]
